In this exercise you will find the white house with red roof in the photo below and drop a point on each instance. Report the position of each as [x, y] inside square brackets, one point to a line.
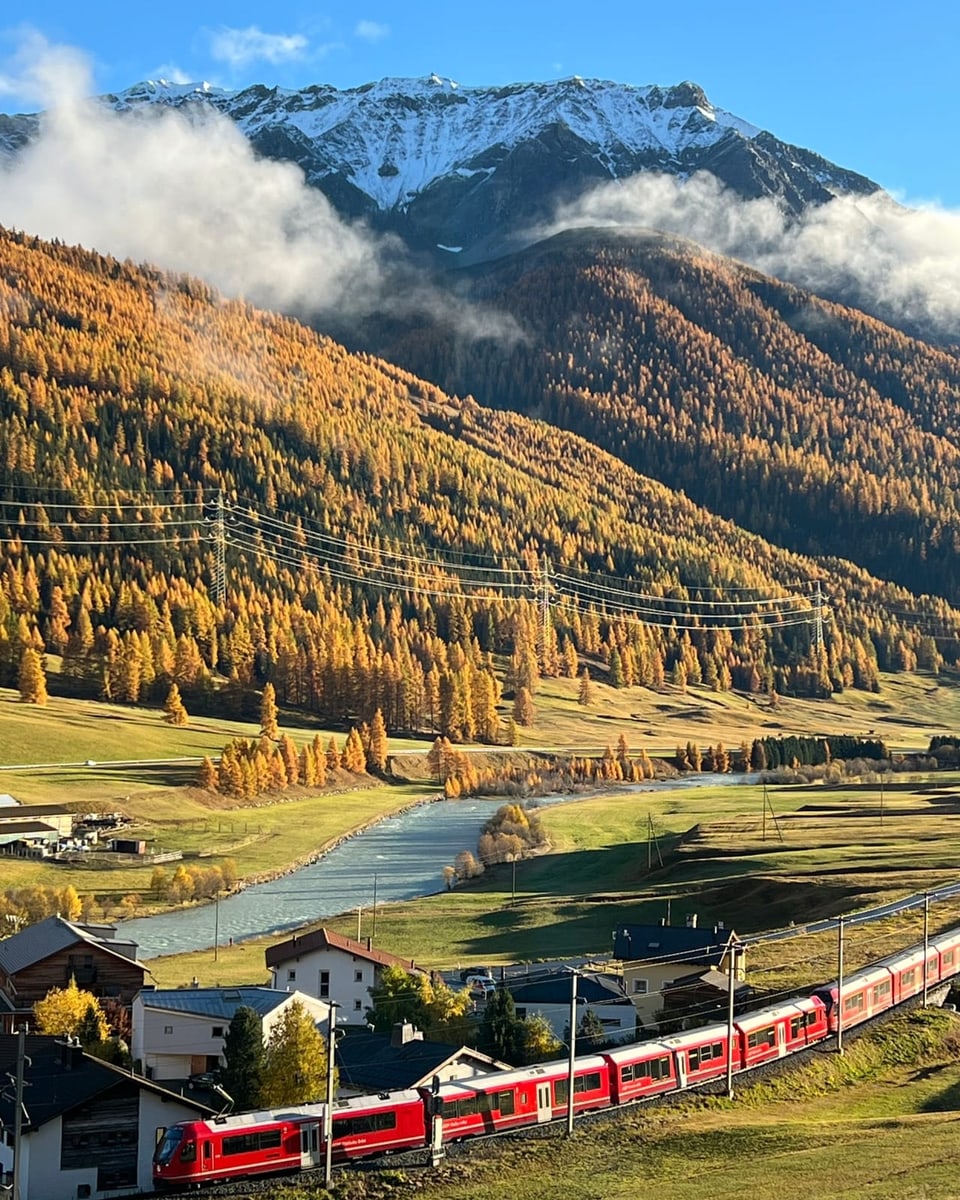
[334, 968]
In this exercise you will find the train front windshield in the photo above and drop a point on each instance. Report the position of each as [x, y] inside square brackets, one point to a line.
[168, 1147]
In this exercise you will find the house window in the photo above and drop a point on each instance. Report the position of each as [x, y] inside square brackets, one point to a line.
[324, 985]
[358, 977]
[217, 1031]
[640, 987]
[291, 975]
[168, 1029]
[357, 1005]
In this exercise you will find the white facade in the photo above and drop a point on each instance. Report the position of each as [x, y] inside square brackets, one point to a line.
[41, 1177]
[172, 1044]
[331, 974]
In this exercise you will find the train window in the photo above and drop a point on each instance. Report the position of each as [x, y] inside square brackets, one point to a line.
[561, 1091]
[449, 1109]
[762, 1037]
[909, 977]
[374, 1122]
[796, 1027]
[854, 1003]
[627, 1073]
[948, 958]
[505, 1104]
[250, 1143]
[189, 1153]
[172, 1138]
[587, 1083]
[483, 1103]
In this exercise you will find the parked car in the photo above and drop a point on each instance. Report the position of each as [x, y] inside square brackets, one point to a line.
[481, 985]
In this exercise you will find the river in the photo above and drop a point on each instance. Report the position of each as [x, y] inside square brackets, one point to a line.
[404, 853]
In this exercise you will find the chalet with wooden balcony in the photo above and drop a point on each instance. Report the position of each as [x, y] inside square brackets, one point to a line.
[46, 955]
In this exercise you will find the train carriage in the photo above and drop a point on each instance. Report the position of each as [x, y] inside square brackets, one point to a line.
[947, 948]
[640, 1071]
[268, 1143]
[259, 1143]
[491, 1103]
[775, 1032]
[702, 1054]
[368, 1125]
[865, 993]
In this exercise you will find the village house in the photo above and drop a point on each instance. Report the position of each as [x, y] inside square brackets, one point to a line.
[179, 1032]
[332, 967]
[599, 994]
[654, 956]
[90, 1128]
[378, 1062]
[49, 953]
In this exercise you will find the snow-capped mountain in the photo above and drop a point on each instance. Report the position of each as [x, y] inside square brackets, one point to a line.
[467, 167]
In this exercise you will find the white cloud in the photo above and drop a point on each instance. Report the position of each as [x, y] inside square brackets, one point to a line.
[39, 73]
[172, 74]
[898, 261]
[241, 47]
[188, 193]
[371, 31]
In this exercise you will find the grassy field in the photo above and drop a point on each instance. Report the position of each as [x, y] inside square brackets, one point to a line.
[842, 848]
[879, 1123]
[834, 858]
[262, 838]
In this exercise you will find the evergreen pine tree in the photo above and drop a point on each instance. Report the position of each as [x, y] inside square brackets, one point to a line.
[502, 1033]
[243, 1051]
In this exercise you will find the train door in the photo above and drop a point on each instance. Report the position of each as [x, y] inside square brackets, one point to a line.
[544, 1103]
[310, 1144]
[206, 1156]
[780, 1037]
[681, 1057]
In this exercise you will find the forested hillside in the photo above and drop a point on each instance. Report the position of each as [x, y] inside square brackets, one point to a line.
[194, 491]
[815, 426]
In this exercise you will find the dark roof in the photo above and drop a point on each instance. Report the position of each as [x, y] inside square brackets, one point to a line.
[653, 942]
[555, 989]
[326, 939]
[708, 978]
[59, 1077]
[36, 942]
[369, 1062]
[27, 811]
[220, 1002]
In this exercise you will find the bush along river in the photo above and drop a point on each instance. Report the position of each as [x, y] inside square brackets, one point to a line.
[402, 856]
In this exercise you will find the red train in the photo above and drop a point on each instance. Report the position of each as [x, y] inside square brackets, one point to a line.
[195, 1152]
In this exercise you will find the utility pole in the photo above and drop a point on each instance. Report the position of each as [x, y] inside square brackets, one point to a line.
[513, 895]
[374, 935]
[216, 928]
[544, 610]
[881, 801]
[573, 1049]
[220, 553]
[764, 825]
[359, 916]
[732, 951]
[328, 1115]
[926, 942]
[22, 1062]
[840, 986]
[818, 619]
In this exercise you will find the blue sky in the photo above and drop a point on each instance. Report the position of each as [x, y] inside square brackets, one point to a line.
[872, 86]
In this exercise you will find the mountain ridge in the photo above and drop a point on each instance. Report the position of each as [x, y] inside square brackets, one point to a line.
[465, 170]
